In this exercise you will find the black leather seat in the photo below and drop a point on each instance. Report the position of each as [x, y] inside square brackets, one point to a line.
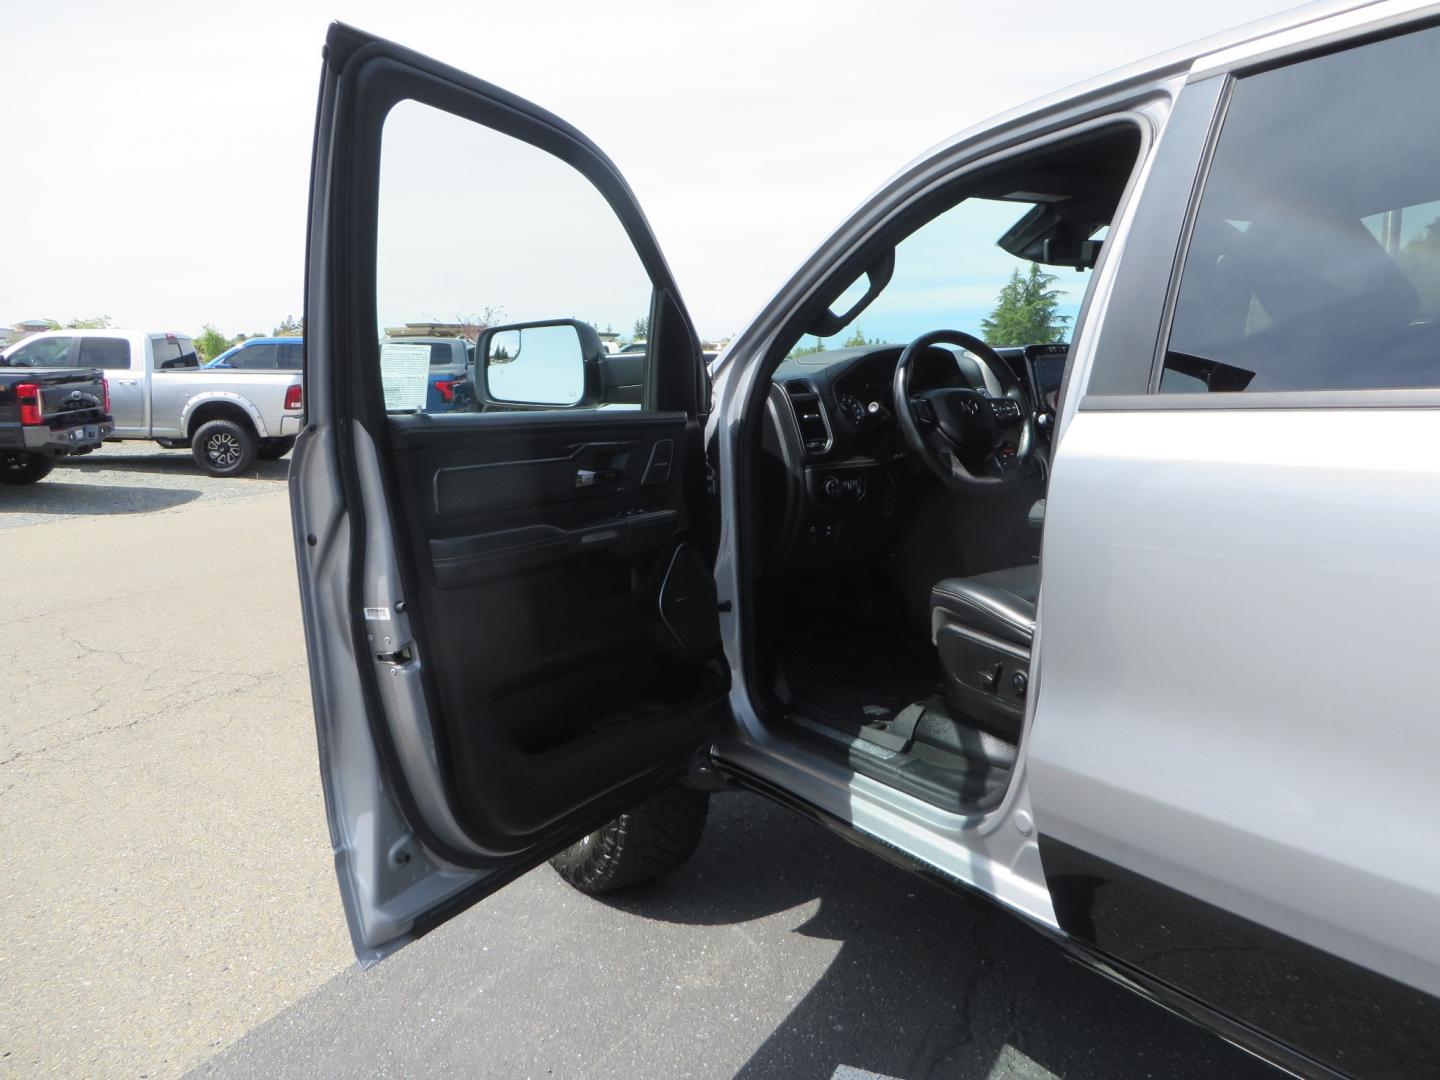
[983, 627]
[1000, 603]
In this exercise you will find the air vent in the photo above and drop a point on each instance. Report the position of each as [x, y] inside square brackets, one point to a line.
[810, 418]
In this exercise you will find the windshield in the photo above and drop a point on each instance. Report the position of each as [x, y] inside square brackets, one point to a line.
[951, 273]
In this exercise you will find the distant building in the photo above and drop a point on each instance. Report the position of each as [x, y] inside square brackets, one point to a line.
[21, 330]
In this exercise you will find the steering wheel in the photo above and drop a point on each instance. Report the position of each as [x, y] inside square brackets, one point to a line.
[966, 437]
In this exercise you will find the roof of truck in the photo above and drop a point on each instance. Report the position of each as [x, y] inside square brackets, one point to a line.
[1181, 59]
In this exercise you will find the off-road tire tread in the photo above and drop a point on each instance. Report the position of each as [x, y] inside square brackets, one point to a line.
[246, 437]
[650, 839]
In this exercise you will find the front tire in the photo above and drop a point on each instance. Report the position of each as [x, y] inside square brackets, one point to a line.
[275, 449]
[651, 838]
[20, 467]
[223, 447]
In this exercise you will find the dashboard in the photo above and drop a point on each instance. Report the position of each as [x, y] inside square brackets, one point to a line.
[837, 459]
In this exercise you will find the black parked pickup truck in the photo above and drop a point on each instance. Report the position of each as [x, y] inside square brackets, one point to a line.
[47, 415]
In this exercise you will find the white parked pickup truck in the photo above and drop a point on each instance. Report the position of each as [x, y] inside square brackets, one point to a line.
[158, 391]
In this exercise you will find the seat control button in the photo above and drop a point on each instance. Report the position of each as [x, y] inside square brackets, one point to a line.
[990, 676]
[1018, 682]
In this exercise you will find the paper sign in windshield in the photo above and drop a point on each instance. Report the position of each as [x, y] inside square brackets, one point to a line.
[404, 375]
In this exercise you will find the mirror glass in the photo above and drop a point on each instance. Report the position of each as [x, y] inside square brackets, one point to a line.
[536, 365]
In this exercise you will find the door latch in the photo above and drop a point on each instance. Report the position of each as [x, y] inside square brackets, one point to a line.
[403, 655]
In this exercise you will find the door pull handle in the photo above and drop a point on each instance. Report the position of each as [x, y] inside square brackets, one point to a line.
[586, 478]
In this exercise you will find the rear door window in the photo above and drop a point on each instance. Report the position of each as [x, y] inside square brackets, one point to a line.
[105, 352]
[1314, 262]
[252, 357]
[290, 355]
[174, 351]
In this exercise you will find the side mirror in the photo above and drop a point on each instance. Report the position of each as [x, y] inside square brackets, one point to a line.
[554, 363]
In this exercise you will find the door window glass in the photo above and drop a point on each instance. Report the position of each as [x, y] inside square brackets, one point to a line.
[254, 356]
[1315, 259]
[501, 242]
[44, 352]
[290, 355]
[105, 352]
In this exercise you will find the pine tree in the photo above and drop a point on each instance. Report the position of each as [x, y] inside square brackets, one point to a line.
[1025, 313]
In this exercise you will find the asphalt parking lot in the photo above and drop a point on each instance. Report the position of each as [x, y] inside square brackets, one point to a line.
[169, 902]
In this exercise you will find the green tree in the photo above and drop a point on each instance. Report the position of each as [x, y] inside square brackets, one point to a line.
[97, 322]
[859, 338]
[806, 350]
[1025, 313]
[642, 329]
[1420, 259]
[210, 342]
[291, 327]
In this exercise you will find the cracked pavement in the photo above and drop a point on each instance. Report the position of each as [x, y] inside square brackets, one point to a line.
[169, 901]
[167, 874]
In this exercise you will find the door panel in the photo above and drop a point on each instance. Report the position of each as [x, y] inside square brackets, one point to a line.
[544, 551]
[1232, 752]
[510, 617]
[123, 362]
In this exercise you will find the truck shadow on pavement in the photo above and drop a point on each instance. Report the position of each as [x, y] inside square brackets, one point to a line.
[178, 463]
[72, 499]
[925, 982]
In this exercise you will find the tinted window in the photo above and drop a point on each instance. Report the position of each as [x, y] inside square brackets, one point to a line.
[1315, 258]
[290, 355]
[254, 356]
[45, 352]
[105, 352]
[443, 355]
[174, 351]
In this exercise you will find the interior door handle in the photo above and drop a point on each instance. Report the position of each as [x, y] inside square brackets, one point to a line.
[585, 478]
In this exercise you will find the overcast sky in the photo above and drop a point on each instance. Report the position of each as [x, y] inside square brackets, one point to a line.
[156, 157]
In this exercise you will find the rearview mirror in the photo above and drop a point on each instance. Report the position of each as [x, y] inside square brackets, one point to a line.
[540, 363]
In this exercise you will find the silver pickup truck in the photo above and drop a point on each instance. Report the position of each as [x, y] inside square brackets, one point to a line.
[159, 392]
[1189, 733]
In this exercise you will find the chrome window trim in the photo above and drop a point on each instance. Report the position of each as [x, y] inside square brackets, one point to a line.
[1417, 398]
[1321, 34]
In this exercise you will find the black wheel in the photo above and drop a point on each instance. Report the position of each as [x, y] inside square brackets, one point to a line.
[19, 467]
[648, 840]
[275, 449]
[223, 447]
